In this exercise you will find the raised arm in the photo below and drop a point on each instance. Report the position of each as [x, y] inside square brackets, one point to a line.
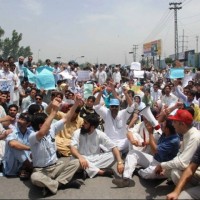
[115, 94]
[46, 125]
[98, 98]
[68, 115]
[128, 98]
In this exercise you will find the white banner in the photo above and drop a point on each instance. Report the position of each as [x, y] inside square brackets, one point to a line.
[65, 74]
[83, 75]
[138, 74]
[135, 66]
[5, 85]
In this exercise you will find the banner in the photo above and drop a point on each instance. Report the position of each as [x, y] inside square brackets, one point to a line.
[83, 75]
[65, 74]
[138, 74]
[176, 73]
[43, 80]
[41, 68]
[135, 66]
[88, 90]
[5, 85]
[30, 75]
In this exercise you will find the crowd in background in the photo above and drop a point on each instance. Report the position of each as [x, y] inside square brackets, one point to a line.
[104, 128]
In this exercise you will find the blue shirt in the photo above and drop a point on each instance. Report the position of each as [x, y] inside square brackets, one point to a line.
[44, 150]
[167, 147]
[13, 158]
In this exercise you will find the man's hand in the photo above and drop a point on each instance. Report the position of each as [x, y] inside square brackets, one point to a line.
[120, 168]
[172, 196]
[83, 162]
[149, 127]
[56, 104]
[159, 170]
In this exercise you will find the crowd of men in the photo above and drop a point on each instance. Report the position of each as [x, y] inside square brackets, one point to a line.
[38, 127]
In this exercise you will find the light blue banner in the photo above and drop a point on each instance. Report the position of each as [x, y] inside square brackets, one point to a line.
[88, 88]
[176, 73]
[41, 68]
[43, 80]
[30, 75]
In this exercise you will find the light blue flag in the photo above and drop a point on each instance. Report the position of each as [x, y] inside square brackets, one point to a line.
[30, 75]
[41, 68]
[176, 73]
[88, 88]
[45, 80]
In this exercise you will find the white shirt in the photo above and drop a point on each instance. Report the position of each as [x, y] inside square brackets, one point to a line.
[115, 128]
[102, 76]
[90, 144]
[156, 95]
[191, 141]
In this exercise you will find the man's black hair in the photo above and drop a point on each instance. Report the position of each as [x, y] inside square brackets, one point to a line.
[92, 119]
[37, 120]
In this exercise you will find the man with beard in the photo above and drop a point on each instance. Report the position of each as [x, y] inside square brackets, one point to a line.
[20, 68]
[86, 147]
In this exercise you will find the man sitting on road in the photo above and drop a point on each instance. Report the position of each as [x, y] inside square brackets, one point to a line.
[86, 147]
[48, 172]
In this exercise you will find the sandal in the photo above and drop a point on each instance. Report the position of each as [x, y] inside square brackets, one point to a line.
[24, 175]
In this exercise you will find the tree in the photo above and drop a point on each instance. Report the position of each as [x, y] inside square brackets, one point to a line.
[1, 34]
[168, 61]
[11, 47]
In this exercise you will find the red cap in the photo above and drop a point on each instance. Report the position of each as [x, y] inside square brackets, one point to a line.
[183, 116]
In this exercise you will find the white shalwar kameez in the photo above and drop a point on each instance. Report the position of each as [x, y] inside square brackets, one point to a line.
[116, 129]
[89, 146]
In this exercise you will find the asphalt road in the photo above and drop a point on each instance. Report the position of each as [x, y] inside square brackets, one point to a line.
[96, 188]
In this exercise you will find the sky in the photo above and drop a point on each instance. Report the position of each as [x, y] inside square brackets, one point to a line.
[103, 31]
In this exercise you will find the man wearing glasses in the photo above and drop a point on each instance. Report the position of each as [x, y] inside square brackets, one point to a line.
[115, 119]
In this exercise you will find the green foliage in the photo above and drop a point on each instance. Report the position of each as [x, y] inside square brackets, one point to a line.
[11, 47]
[168, 61]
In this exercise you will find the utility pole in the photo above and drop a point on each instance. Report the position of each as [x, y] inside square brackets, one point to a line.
[135, 47]
[184, 47]
[175, 8]
[197, 43]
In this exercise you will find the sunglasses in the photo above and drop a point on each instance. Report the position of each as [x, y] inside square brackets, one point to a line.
[114, 106]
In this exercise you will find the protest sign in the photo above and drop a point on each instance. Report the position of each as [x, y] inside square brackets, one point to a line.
[5, 85]
[41, 68]
[43, 80]
[176, 73]
[138, 74]
[83, 75]
[65, 74]
[135, 66]
[88, 89]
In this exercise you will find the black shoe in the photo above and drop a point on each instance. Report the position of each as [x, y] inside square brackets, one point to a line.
[108, 173]
[59, 155]
[170, 182]
[136, 171]
[121, 183]
[84, 175]
[46, 192]
[1, 167]
[74, 184]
